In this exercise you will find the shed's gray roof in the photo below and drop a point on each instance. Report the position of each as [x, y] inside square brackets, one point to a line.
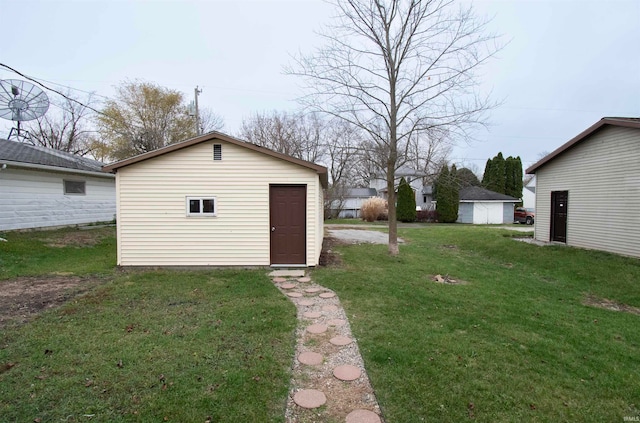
[14, 151]
[427, 189]
[361, 192]
[481, 194]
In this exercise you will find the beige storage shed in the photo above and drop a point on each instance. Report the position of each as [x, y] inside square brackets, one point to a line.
[215, 200]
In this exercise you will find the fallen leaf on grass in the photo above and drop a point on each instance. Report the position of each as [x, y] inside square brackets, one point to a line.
[119, 364]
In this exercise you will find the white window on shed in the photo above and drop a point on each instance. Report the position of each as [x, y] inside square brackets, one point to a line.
[74, 187]
[201, 206]
[217, 152]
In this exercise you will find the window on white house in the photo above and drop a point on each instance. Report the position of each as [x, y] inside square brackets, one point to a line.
[217, 151]
[74, 187]
[201, 206]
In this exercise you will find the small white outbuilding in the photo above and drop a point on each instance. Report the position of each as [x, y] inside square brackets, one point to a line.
[215, 200]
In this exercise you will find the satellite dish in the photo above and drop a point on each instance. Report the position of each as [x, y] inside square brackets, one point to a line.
[21, 101]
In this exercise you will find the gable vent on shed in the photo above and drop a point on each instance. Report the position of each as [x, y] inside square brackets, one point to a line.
[217, 151]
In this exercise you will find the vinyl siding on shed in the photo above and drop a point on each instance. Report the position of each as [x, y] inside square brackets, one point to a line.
[602, 177]
[153, 228]
[32, 198]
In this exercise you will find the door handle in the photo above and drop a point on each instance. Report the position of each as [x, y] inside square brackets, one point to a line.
[273, 229]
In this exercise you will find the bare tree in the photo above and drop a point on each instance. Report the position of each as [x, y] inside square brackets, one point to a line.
[396, 69]
[294, 134]
[65, 129]
[210, 121]
[428, 156]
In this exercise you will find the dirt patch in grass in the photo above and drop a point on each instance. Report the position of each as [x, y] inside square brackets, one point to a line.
[328, 257]
[447, 280]
[606, 304]
[23, 298]
[79, 238]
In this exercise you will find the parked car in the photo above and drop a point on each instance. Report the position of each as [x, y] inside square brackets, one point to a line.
[522, 215]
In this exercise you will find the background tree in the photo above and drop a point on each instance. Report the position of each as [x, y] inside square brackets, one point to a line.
[294, 134]
[504, 175]
[143, 117]
[494, 178]
[406, 202]
[66, 126]
[513, 177]
[466, 178]
[447, 195]
[399, 69]
[209, 121]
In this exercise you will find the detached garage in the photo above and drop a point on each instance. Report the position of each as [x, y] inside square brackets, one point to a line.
[481, 206]
[218, 201]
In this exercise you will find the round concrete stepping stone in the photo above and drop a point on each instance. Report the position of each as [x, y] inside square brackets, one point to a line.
[312, 290]
[327, 295]
[305, 302]
[312, 314]
[363, 416]
[309, 398]
[304, 279]
[341, 340]
[330, 307]
[347, 372]
[310, 358]
[336, 322]
[279, 280]
[317, 328]
[288, 285]
[294, 294]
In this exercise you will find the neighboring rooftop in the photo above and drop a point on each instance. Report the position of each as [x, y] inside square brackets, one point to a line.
[14, 151]
[361, 192]
[481, 194]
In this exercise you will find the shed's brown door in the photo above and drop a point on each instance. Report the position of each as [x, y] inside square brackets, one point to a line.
[288, 219]
[559, 201]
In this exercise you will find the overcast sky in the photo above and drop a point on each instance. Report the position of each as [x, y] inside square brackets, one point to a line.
[566, 64]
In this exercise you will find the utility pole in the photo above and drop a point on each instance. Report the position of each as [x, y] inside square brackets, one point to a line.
[197, 91]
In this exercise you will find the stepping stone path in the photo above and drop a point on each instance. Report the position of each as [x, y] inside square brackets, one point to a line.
[310, 398]
[329, 370]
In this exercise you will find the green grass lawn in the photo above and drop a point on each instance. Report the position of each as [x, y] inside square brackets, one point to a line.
[144, 346]
[516, 343]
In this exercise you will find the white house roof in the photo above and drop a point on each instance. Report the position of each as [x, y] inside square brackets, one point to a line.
[361, 192]
[320, 170]
[614, 121]
[18, 153]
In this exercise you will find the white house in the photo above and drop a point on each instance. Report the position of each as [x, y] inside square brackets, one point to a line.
[218, 201]
[351, 204]
[412, 176]
[588, 190]
[42, 187]
[481, 206]
[529, 194]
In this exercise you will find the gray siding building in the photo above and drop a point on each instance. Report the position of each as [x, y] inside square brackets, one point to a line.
[588, 190]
